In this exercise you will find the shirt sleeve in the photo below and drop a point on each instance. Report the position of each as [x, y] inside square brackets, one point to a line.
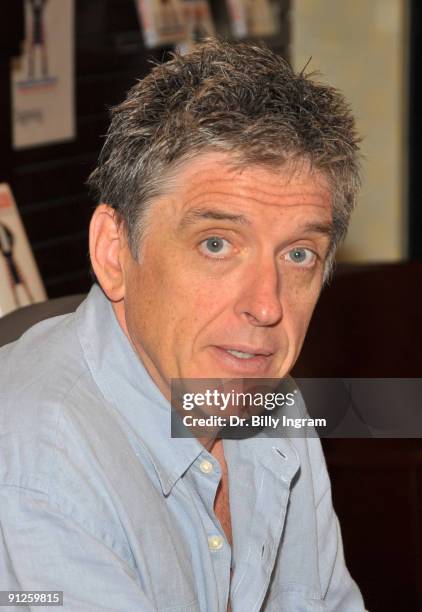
[340, 592]
[41, 548]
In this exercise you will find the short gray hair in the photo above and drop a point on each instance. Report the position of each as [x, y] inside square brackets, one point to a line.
[234, 97]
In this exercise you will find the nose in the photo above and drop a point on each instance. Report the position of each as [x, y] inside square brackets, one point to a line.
[260, 299]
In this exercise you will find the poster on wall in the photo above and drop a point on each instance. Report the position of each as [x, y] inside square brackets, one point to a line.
[162, 22]
[20, 281]
[254, 17]
[43, 106]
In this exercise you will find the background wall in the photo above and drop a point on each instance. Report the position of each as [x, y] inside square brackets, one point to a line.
[360, 47]
[49, 181]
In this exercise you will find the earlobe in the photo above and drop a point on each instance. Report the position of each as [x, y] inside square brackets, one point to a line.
[106, 251]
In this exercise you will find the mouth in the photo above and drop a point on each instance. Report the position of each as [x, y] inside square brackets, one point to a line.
[241, 354]
[244, 360]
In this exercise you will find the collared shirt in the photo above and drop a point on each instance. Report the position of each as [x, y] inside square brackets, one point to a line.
[99, 501]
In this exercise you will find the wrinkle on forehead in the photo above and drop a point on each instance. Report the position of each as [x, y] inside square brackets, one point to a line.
[211, 185]
[216, 179]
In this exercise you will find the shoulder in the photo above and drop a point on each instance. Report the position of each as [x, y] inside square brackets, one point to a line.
[45, 383]
[64, 450]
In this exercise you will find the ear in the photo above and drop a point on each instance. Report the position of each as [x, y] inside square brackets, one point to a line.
[107, 245]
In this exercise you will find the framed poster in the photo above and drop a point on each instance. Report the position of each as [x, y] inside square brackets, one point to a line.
[162, 22]
[256, 18]
[43, 76]
[20, 281]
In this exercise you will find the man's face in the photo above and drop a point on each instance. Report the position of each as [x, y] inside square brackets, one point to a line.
[230, 270]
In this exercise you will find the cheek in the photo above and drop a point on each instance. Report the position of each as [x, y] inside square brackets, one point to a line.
[298, 306]
[144, 301]
[196, 307]
[176, 301]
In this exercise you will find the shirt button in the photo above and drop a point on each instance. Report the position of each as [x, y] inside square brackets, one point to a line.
[206, 466]
[215, 542]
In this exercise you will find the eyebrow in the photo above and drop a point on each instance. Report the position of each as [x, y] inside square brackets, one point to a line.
[326, 229]
[198, 214]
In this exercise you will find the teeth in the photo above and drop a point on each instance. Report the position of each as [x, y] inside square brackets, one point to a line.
[240, 354]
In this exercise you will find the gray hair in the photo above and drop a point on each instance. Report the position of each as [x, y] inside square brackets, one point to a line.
[239, 98]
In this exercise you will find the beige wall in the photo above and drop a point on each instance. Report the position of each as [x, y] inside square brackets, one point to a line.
[360, 46]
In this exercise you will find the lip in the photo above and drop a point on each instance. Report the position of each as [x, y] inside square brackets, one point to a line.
[253, 366]
[243, 348]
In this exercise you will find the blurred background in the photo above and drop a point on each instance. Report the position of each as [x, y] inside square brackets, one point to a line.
[63, 63]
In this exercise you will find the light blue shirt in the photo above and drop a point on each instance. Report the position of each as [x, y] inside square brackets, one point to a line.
[98, 501]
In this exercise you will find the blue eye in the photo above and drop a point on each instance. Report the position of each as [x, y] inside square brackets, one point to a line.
[215, 246]
[301, 256]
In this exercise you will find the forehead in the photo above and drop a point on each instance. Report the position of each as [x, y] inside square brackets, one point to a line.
[219, 177]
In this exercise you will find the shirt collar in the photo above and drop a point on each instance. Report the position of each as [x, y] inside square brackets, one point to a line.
[122, 378]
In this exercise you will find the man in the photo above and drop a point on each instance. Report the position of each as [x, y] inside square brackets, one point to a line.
[226, 182]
